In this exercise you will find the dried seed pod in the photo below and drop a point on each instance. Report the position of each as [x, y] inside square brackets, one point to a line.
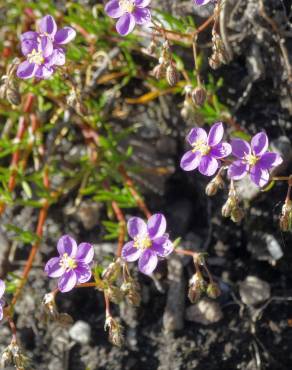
[197, 286]
[214, 185]
[131, 289]
[115, 331]
[159, 71]
[172, 75]
[112, 272]
[13, 95]
[237, 214]
[199, 96]
[114, 294]
[214, 61]
[227, 208]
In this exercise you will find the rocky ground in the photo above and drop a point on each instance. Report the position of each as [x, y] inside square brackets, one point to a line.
[250, 326]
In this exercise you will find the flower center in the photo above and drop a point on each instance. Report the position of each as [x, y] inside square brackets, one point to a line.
[35, 57]
[201, 146]
[142, 242]
[128, 6]
[251, 159]
[68, 263]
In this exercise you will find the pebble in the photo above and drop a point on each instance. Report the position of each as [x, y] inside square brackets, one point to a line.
[80, 332]
[254, 291]
[205, 312]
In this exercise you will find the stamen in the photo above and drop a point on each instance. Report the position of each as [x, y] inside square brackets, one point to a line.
[142, 242]
[251, 159]
[202, 147]
[35, 57]
[68, 263]
[128, 6]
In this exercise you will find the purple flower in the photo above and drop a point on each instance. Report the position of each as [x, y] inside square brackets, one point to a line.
[253, 159]
[129, 13]
[149, 242]
[73, 265]
[203, 2]
[44, 49]
[2, 302]
[207, 150]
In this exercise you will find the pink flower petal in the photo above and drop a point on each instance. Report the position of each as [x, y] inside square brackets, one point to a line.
[48, 26]
[130, 253]
[240, 148]
[221, 150]
[136, 226]
[113, 9]
[190, 160]
[68, 281]
[156, 225]
[259, 175]
[83, 273]
[85, 253]
[53, 268]
[147, 262]
[237, 170]
[197, 134]
[269, 160]
[208, 165]
[68, 245]
[142, 15]
[260, 143]
[125, 24]
[215, 134]
[2, 288]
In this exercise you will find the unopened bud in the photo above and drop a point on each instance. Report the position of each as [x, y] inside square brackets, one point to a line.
[172, 75]
[199, 96]
[115, 331]
[213, 290]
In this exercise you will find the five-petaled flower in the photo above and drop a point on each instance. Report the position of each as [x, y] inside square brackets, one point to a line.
[2, 302]
[207, 150]
[253, 159]
[73, 265]
[149, 242]
[44, 50]
[129, 13]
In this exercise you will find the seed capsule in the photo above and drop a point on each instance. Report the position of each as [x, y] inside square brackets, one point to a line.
[199, 96]
[172, 75]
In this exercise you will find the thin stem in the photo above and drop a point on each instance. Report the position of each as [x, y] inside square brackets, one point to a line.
[107, 305]
[129, 182]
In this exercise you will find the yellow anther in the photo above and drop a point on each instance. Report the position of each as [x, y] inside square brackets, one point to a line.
[128, 6]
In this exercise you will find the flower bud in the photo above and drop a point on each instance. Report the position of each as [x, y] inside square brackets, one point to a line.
[199, 96]
[213, 290]
[115, 331]
[172, 75]
[214, 61]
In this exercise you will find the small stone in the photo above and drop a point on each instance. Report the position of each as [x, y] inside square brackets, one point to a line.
[205, 312]
[254, 291]
[89, 214]
[80, 332]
